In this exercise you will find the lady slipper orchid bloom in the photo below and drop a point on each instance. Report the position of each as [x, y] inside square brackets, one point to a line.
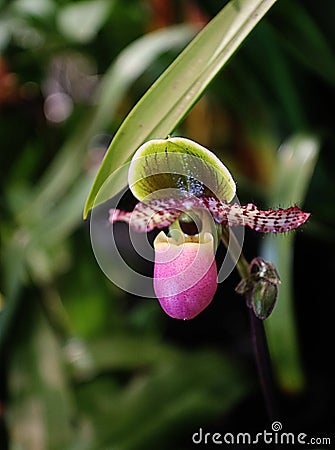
[185, 273]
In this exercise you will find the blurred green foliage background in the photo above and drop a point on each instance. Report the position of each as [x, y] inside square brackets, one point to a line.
[87, 366]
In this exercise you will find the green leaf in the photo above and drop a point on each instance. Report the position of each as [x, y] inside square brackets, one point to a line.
[34, 8]
[180, 86]
[80, 21]
[296, 161]
[307, 41]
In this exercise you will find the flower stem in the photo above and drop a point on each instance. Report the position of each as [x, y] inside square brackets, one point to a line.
[264, 366]
[231, 243]
[258, 336]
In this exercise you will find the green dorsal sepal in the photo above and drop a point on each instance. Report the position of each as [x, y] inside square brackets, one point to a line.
[177, 166]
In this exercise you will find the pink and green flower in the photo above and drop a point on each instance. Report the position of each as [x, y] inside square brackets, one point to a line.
[177, 180]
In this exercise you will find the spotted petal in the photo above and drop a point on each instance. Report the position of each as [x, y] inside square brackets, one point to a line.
[162, 213]
[146, 217]
[269, 221]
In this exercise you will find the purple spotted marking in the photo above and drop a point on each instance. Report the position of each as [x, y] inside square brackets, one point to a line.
[163, 212]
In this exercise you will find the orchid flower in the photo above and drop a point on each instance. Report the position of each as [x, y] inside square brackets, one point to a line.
[178, 181]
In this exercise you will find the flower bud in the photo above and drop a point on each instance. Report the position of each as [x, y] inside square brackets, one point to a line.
[263, 298]
[260, 287]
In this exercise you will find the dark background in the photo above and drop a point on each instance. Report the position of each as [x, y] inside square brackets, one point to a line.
[87, 366]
